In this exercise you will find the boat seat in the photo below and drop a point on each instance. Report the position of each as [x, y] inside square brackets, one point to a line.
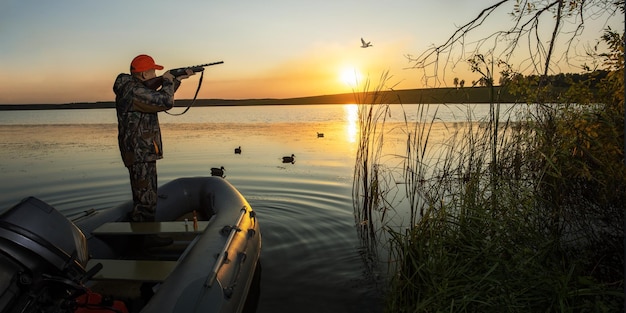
[149, 228]
[132, 270]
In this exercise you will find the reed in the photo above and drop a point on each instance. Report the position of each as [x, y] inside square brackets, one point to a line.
[494, 221]
[369, 191]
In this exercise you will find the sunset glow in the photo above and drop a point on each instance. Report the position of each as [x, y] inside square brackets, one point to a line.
[62, 51]
[351, 77]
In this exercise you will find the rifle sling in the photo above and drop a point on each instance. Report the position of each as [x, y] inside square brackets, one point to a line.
[194, 98]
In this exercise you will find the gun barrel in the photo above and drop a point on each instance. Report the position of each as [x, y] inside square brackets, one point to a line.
[209, 64]
[195, 68]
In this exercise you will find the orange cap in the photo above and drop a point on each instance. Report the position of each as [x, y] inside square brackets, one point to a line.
[142, 63]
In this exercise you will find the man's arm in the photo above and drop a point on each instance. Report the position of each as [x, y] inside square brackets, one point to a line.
[149, 101]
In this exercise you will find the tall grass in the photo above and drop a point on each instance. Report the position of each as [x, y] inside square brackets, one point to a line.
[369, 191]
[485, 233]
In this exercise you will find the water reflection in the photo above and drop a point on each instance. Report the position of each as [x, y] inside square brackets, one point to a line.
[305, 207]
[352, 118]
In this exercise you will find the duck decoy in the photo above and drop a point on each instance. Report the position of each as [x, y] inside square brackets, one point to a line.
[289, 159]
[238, 150]
[217, 171]
[320, 135]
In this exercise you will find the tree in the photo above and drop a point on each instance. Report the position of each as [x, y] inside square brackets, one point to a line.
[456, 82]
[530, 29]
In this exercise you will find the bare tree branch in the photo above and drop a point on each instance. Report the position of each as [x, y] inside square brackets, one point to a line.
[555, 32]
[528, 27]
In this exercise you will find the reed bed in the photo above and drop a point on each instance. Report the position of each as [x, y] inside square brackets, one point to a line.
[495, 223]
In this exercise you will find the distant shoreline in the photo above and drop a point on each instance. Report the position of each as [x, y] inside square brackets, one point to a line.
[406, 96]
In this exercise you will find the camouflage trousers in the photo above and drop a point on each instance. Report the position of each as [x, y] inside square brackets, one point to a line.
[143, 183]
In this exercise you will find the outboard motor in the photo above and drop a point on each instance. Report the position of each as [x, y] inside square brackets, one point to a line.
[42, 259]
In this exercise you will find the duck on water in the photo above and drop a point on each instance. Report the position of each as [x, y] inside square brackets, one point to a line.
[218, 171]
[289, 159]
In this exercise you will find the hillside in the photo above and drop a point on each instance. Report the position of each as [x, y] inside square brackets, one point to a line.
[427, 95]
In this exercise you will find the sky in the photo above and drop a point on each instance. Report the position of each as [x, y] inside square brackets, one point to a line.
[71, 50]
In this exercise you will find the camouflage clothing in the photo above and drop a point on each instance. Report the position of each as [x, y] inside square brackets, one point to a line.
[143, 182]
[139, 136]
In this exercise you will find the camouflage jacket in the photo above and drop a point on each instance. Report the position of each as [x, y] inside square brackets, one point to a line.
[139, 133]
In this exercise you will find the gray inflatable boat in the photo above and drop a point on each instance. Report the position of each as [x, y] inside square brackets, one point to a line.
[50, 263]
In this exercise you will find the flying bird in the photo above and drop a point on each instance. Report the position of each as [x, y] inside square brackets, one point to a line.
[365, 44]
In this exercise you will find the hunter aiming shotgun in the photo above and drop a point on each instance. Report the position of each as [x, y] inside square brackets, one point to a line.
[156, 82]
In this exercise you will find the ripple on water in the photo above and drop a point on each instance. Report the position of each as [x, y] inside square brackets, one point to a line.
[310, 255]
[308, 227]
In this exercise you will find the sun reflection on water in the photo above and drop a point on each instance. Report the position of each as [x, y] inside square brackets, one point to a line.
[352, 119]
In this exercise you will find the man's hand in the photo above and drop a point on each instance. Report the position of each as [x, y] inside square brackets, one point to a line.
[167, 75]
[188, 72]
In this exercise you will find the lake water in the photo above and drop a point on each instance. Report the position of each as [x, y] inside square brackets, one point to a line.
[312, 257]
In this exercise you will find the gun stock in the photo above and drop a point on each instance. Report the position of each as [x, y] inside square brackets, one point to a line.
[156, 82]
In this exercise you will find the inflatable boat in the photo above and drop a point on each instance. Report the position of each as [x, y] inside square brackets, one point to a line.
[97, 261]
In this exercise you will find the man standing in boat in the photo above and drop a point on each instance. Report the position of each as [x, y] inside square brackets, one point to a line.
[139, 133]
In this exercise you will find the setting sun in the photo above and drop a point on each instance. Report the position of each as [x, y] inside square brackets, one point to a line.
[350, 76]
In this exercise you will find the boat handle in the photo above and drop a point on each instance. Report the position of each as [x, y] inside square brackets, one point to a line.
[91, 272]
[223, 255]
[228, 291]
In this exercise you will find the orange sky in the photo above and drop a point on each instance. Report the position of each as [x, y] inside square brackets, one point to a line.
[71, 51]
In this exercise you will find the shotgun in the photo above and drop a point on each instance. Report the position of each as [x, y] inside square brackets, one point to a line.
[156, 82]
